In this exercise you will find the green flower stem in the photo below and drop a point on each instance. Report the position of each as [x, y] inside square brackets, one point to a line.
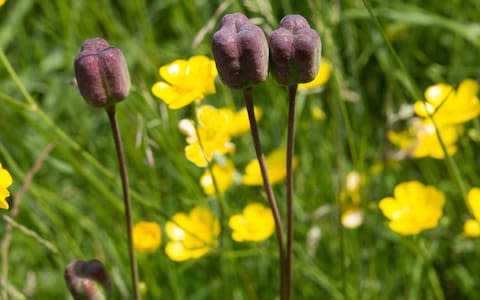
[247, 94]
[292, 92]
[126, 198]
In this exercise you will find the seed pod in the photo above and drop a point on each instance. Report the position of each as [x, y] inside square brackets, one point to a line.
[240, 50]
[101, 72]
[295, 51]
[87, 279]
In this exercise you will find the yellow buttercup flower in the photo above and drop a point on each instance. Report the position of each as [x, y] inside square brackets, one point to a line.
[147, 236]
[471, 228]
[449, 106]
[238, 123]
[421, 140]
[254, 224]
[321, 78]
[213, 135]
[186, 81]
[414, 207]
[223, 175]
[2, 2]
[191, 235]
[5, 181]
[275, 163]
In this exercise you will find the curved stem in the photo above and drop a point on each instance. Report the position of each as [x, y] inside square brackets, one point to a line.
[247, 94]
[292, 91]
[126, 198]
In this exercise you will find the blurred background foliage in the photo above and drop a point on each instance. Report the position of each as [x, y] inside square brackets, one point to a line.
[75, 201]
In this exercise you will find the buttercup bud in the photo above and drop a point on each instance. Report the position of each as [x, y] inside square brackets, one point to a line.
[87, 279]
[295, 51]
[102, 73]
[240, 50]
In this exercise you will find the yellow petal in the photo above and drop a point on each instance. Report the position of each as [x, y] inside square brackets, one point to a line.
[467, 89]
[5, 178]
[223, 176]
[176, 73]
[471, 228]
[177, 252]
[146, 236]
[195, 154]
[3, 203]
[438, 93]
[473, 199]
[389, 207]
[321, 78]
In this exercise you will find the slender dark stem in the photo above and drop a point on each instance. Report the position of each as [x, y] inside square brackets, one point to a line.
[292, 92]
[247, 94]
[126, 198]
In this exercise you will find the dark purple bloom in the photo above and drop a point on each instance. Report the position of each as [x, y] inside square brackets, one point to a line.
[240, 50]
[295, 51]
[87, 279]
[101, 72]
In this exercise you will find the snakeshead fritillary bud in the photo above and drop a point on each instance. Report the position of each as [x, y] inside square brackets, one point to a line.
[87, 279]
[101, 72]
[240, 50]
[295, 51]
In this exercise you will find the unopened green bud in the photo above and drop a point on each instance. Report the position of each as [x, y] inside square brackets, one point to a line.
[295, 51]
[240, 50]
[101, 72]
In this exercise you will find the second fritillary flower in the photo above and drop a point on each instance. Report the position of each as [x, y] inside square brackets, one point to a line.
[241, 52]
[295, 51]
[101, 72]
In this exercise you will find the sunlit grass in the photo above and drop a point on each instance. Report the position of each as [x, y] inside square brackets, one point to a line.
[74, 204]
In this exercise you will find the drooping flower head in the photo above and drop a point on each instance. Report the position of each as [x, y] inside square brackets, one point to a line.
[186, 81]
[449, 106]
[5, 181]
[413, 208]
[295, 51]
[147, 236]
[254, 224]
[240, 50]
[101, 73]
[191, 235]
[87, 279]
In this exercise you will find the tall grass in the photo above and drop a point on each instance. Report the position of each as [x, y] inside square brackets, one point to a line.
[74, 201]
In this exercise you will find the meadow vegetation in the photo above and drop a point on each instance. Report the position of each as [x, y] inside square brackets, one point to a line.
[386, 204]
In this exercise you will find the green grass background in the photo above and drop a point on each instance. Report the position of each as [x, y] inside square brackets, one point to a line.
[75, 201]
